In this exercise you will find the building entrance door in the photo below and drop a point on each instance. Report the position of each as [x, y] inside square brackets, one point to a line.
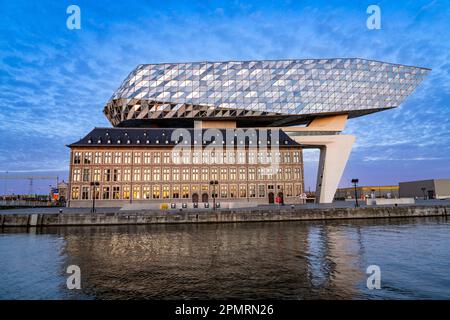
[271, 197]
[205, 197]
[280, 195]
[195, 197]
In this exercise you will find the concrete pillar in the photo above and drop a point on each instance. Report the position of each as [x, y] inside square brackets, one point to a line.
[334, 153]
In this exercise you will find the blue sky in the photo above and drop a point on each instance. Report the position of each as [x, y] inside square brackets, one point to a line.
[55, 81]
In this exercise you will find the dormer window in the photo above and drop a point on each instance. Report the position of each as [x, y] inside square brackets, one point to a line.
[90, 140]
[147, 142]
[157, 141]
[99, 141]
[118, 141]
[109, 141]
[128, 141]
[138, 141]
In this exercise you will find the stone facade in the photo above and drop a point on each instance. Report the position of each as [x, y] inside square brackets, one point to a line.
[152, 175]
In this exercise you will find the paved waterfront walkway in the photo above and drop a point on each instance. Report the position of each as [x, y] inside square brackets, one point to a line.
[336, 204]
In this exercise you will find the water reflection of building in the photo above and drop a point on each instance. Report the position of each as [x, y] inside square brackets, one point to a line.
[257, 260]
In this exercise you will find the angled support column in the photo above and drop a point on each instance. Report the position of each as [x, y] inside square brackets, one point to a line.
[334, 153]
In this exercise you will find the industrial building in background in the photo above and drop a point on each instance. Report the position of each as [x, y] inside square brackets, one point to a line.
[426, 189]
[245, 124]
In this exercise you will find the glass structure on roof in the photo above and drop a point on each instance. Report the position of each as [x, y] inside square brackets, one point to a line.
[280, 92]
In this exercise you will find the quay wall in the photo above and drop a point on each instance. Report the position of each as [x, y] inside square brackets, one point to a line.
[219, 216]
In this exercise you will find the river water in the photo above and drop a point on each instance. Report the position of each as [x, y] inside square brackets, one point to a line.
[272, 260]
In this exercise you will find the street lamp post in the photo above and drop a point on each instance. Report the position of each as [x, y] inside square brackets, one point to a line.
[94, 185]
[214, 183]
[355, 183]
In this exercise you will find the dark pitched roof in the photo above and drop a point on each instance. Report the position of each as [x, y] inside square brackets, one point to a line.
[163, 137]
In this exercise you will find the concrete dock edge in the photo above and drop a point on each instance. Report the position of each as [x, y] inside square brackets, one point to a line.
[222, 216]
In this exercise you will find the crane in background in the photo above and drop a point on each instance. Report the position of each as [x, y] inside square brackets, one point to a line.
[30, 179]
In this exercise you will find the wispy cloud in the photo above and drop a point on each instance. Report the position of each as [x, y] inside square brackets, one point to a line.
[54, 82]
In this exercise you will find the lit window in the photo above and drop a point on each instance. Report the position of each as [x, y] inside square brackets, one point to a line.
[75, 193]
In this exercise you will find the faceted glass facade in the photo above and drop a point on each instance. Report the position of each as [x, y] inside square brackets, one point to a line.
[239, 89]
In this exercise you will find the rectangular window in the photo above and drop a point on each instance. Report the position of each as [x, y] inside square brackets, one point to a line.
[260, 174]
[127, 158]
[96, 176]
[107, 175]
[176, 159]
[252, 191]
[224, 191]
[137, 174]
[98, 158]
[156, 174]
[137, 158]
[186, 157]
[106, 193]
[296, 156]
[116, 175]
[297, 173]
[251, 174]
[76, 158]
[233, 191]
[252, 158]
[231, 158]
[223, 174]
[96, 191]
[288, 190]
[298, 189]
[279, 175]
[165, 192]
[166, 174]
[175, 192]
[147, 175]
[75, 193]
[175, 174]
[241, 157]
[261, 191]
[214, 174]
[86, 175]
[185, 192]
[136, 192]
[185, 174]
[107, 157]
[157, 158]
[156, 192]
[196, 157]
[232, 174]
[242, 191]
[146, 192]
[126, 192]
[117, 157]
[287, 157]
[242, 174]
[76, 175]
[116, 193]
[205, 175]
[126, 174]
[287, 173]
[195, 174]
[166, 157]
[85, 193]
[147, 157]
[87, 158]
